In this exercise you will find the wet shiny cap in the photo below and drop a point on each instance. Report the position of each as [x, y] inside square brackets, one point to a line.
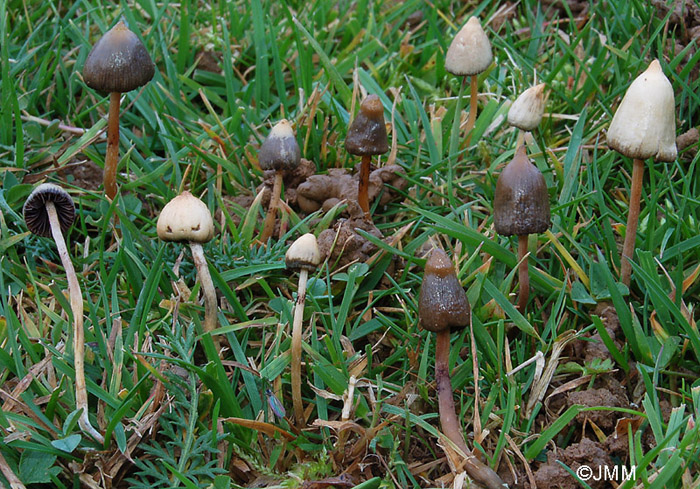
[118, 62]
[521, 203]
[367, 133]
[35, 214]
[442, 302]
[303, 253]
[185, 218]
[280, 150]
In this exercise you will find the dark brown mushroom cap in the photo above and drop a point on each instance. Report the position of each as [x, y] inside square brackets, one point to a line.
[442, 302]
[118, 62]
[367, 133]
[280, 150]
[521, 203]
[35, 214]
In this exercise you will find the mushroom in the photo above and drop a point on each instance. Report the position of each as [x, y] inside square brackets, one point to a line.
[442, 304]
[302, 255]
[644, 126]
[118, 63]
[49, 212]
[527, 110]
[186, 218]
[279, 152]
[366, 137]
[521, 207]
[468, 55]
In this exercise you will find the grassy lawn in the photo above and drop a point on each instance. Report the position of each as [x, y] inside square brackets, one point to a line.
[592, 373]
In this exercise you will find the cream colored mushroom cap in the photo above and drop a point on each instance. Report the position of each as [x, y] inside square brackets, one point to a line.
[644, 125]
[303, 253]
[470, 51]
[527, 110]
[185, 218]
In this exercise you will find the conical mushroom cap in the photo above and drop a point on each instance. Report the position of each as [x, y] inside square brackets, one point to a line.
[185, 218]
[280, 150]
[303, 253]
[118, 62]
[521, 203]
[367, 133]
[442, 302]
[644, 125]
[528, 109]
[470, 51]
[35, 214]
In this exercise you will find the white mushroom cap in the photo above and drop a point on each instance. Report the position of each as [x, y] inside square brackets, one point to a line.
[470, 51]
[528, 109]
[645, 122]
[185, 218]
[303, 253]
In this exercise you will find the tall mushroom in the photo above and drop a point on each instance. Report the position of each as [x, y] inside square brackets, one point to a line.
[644, 126]
[118, 63]
[186, 218]
[468, 55]
[49, 212]
[442, 304]
[302, 255]
[367, 137]
[521, 207]
[280, 152]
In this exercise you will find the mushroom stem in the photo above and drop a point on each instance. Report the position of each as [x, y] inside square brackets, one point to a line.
[210, 307]
[476, 469]
[523, 274]
[632, 221]
[76, 304]
[112, 155]
[472, 107]
[269, 226]
[296, 347]
[363, 187]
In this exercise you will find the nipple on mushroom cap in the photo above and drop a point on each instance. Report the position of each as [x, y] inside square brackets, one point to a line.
[367, 133]
[442, 302]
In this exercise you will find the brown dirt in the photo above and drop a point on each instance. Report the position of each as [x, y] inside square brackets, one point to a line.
[342, 245]
[553, 476]
[86, 175]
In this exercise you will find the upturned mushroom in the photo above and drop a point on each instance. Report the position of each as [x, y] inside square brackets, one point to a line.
[302, 255]
[644, 126]
[280, 152]
[521, 208]
[186, 218]
[367, 137]
[49, 212]
[118, 63]
[468, 55]
[442, 305]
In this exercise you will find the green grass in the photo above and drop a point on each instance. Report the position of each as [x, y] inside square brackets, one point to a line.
[158, 389]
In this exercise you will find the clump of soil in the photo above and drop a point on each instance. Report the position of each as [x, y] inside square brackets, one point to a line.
[605, 420]
[86, 175]
[593, 347]
[342, 245]
[589, 453]
[291, 180]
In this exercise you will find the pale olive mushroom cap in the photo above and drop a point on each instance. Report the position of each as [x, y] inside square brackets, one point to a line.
[442, 302]
[367, 133]
[185, 218]
[527, 110]
[280, 150]
[470, 50]
[644, 125]
[118, 62]
[303, 253]
[521, 201]
[35, 214]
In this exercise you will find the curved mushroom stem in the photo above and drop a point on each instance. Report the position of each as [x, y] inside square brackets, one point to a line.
[210, 307]
[112, 155]
[76, 304]
[632, 221]
[523, 274]
[472, 107]
[269, 226]
[363, 187]
[296, 348]
[476, 469]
